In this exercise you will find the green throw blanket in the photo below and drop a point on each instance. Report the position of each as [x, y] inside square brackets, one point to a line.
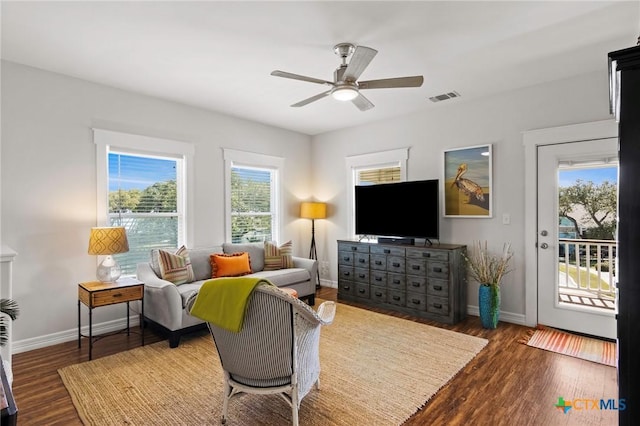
[223, 301]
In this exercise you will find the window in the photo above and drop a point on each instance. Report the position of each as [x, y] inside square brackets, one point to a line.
[253, 201]
[143, 197]
[370, 169]
[144, 191]
[252, 216]
[388, 174]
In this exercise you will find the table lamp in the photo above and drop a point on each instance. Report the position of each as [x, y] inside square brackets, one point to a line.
[313, 211]
[107, 241]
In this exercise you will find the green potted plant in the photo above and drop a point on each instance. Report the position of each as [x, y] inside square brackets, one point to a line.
[488, 270]
[10, 308]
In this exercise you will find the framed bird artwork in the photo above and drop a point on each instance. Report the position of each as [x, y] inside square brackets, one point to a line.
[467, 182]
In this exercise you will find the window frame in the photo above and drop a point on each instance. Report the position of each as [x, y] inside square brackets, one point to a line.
[245, 159]
[391, 158]
[108, 141]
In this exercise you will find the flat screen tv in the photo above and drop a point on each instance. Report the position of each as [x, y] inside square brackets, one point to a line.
[402, 209]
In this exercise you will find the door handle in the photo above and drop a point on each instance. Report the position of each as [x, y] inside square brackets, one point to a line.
[544, 246]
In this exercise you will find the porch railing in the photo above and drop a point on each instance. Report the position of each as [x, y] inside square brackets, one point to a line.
[588, 265]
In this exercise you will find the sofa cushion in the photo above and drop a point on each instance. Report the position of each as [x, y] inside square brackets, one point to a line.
[188, 290]
[200, 261]
[285, 277]
[278, 257]
[175, 267]
[230, 265]
[255, 250]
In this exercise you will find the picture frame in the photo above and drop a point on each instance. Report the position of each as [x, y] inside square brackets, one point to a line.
[468, 182]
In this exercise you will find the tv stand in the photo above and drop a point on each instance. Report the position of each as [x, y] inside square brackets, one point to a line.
[396, 240]
[426, 282]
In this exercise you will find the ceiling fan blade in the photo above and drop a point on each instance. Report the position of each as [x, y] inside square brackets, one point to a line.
[284, 74]
[362, 103]
[386, 83]
[360, 59]
[312, 99]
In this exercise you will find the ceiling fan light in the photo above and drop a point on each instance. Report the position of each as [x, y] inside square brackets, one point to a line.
[344, 93]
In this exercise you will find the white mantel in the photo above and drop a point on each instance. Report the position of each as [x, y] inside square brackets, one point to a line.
[7, 256]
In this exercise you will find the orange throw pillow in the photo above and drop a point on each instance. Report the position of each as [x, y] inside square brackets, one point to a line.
[230, 265]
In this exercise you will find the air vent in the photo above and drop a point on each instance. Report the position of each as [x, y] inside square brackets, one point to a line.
[445, 96]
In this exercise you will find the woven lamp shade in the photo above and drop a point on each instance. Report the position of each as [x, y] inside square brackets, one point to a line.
[108, 240]
[313, 210]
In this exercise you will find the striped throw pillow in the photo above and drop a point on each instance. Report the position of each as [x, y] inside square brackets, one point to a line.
[176, 267]
[278, 257]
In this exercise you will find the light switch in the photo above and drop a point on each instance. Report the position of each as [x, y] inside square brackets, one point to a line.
[506, 219]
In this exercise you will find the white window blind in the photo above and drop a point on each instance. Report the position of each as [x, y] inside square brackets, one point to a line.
[378, 175]
[253, 206]
[145, 194]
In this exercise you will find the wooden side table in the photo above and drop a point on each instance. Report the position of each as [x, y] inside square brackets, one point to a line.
[96, 293]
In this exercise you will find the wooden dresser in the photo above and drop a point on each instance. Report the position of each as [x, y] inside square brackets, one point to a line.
[423, 281]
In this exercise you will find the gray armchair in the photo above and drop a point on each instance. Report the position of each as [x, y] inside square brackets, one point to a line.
[277, 349]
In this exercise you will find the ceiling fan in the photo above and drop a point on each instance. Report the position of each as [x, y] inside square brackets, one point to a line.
[345, 85]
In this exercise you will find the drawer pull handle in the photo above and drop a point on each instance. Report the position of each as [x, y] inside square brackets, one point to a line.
[396, 265]
[415, 284]
[346, 287]
[437, 305]
[378, 262]
[117, 295]
[346, 274]
[415, 267]
[426, 254]
[437, 269]
[361, 275]
[396, 298]
[378, 278]
[437, 287]
[415, 301]
[347, 259]
[353, 248]
[361, 260]
[387, 251]
[362, 291]
[396, 281]
[378, 294]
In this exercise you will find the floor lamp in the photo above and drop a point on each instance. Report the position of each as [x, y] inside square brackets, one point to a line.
[313, 211]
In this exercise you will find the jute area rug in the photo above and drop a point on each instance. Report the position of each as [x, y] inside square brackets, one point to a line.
[376, 370]
[550, 339]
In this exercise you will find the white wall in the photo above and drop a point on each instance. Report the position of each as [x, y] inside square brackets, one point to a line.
[498, 120]
[48, 184]
[48, 175]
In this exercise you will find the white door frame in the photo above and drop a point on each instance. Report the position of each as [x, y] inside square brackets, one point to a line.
[531, 140]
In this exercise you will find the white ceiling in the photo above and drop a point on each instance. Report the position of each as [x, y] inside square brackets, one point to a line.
[219, 55]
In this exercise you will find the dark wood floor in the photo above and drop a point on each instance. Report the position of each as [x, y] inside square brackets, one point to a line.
[508, 383]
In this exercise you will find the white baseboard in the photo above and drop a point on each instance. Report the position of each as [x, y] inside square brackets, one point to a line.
[328, 283]
[504, 316]
[25, 345]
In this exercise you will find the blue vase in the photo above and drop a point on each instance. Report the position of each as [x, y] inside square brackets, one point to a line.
[489, 305]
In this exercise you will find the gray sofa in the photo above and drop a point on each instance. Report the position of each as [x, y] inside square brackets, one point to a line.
[164, 302]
